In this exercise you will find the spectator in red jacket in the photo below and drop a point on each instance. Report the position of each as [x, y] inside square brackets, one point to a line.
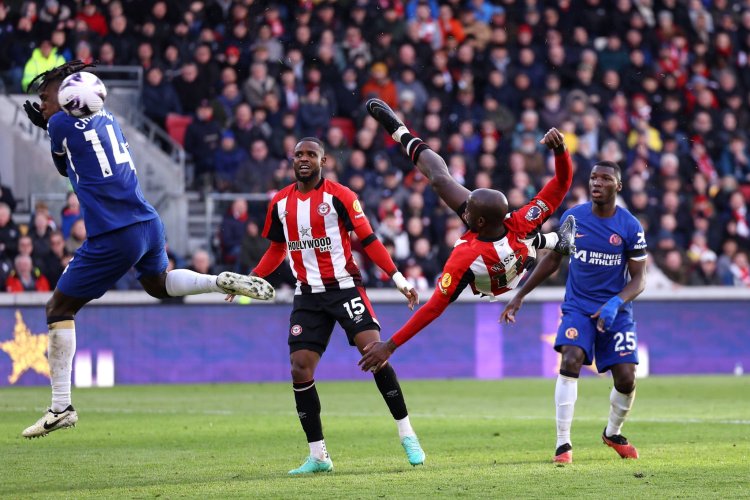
[25, 277]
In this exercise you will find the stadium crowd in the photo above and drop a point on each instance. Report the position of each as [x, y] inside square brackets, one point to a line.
[662, 87]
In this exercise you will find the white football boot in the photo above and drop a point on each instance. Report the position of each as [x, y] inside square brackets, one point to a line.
[52, 421]
[249, 286]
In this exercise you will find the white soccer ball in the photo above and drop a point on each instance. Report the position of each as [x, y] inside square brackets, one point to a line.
[82, 94]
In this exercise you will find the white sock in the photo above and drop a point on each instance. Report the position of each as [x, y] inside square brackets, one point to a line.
[619, 408]
[404, 427]
[399, 132]
[60, 351]
[551, 240]
[186, 282]
[318, 449]
[566, 393]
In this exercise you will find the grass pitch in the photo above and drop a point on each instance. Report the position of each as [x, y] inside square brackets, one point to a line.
[483, 439]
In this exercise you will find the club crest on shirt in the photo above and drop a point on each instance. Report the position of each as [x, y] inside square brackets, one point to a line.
[357, 206]
[295, 330]
[534, 213]
[324, 209]
[615, 240]
[445, 283]
[571, 333]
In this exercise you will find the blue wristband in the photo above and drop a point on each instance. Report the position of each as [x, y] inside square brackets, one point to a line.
[609, 311]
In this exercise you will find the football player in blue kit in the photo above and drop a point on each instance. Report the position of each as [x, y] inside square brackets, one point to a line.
[123, 229]
[597, 313]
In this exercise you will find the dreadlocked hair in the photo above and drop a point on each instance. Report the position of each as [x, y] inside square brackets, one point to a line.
[59, 73]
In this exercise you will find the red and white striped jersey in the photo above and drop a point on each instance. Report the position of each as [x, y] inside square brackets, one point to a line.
[315, 227]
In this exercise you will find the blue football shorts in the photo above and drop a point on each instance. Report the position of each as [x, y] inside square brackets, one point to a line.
[104, 259]
[616, 346]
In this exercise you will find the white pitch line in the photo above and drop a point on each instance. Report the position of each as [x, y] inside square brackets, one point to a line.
[157, 411]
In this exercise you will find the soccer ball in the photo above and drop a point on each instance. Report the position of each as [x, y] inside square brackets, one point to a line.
[82, 94]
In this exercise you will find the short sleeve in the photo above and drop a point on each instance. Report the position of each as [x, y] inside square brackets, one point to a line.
[350, 211]
[635, 245]
[529, 217]
[273, 229]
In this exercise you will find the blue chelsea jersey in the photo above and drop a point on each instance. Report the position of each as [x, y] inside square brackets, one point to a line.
[599, 267]
[101, 171]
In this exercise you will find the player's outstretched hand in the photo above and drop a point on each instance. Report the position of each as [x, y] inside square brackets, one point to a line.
[34, 112]
[229, 297]
[554, 140]
[412, 296]
[509, 313]
[375, 355]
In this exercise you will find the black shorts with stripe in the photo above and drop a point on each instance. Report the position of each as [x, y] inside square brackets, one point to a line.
[315, 314]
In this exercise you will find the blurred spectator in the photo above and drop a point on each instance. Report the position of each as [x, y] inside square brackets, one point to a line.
[232, 230]
[76, 238]
[200, 262]
[43, 58]
[8, 233]
[256, 173]
[380, 85]
[314, 114]
[6, 196]
[252, 248]
[159, 97]
[706, 272]
[25, 277]
[227, 161]
[740, 270]
[202, 139]
[70, 213]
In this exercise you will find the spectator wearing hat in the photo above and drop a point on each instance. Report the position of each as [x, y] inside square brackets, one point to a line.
[380, 85]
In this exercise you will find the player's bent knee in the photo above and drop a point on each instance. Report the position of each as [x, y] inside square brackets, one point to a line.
[625, 386]
[155, 286]
[302, 373]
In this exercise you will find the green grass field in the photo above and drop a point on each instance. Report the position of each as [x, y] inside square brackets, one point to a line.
[483, 439]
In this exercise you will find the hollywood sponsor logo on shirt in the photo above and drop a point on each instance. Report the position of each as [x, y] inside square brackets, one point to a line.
[534, 213]
[323, 244]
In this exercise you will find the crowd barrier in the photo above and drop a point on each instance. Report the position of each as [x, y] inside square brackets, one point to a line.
[129, 338]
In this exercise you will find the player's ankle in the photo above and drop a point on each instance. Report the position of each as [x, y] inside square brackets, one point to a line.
[399, 133]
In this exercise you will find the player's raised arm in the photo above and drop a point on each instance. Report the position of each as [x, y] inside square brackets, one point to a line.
[553, 193]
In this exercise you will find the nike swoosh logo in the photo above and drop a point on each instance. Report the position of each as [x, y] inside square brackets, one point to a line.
[579, 235]
[49, 425]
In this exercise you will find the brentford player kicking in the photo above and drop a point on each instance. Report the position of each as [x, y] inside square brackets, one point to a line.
[311, 221]
[493, 255]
